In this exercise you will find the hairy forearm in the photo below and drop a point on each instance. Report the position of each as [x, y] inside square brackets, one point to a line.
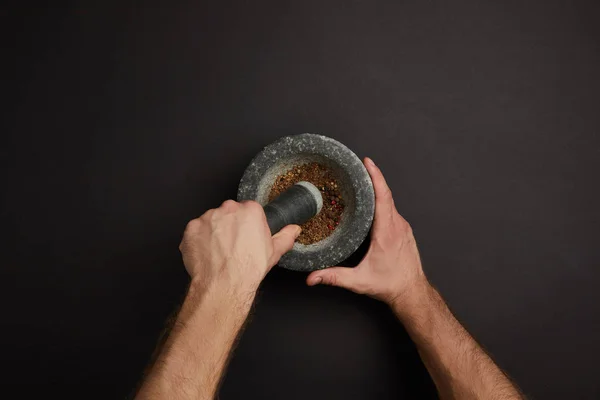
[196, 352]
[459, 367]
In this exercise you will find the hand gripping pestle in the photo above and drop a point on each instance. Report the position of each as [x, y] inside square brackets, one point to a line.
[296, 205]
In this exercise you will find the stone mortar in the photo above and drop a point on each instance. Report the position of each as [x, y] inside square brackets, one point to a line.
[353, 180]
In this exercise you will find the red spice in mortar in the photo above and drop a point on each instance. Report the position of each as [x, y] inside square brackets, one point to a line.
[325, 222]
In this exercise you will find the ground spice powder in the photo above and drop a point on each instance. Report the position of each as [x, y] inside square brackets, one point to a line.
[324, 223]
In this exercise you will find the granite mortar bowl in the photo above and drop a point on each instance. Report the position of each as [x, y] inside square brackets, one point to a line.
[352, 178]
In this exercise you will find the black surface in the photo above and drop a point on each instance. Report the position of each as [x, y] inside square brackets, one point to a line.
[122, 122]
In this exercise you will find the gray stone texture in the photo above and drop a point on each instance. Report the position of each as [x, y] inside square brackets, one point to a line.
[352, 177]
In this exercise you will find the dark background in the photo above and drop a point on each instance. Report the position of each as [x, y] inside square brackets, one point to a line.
[124, 120]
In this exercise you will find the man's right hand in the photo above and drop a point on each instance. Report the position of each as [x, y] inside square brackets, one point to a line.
[391, 271]
[232, 245]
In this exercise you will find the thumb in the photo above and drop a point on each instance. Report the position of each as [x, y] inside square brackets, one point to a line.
[337, 276]
[283, 241]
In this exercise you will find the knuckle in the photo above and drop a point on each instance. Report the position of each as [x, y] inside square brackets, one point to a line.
[229, 205]
[359, 287]
[192, 225]
[403, 231]
[404, 225]
[332, 279]
[214, 216]
[254, 206]
[387, 194]
[207, 215]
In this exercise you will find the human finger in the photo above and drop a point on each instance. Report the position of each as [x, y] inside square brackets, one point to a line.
[283, 241]
[384, 202]
[344, 277]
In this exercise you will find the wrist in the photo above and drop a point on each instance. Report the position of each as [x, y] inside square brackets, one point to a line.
[224, 289]
[415, 298]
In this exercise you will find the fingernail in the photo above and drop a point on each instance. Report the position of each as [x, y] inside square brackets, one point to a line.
[369, 161]
[318, 280]
[298, 231]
